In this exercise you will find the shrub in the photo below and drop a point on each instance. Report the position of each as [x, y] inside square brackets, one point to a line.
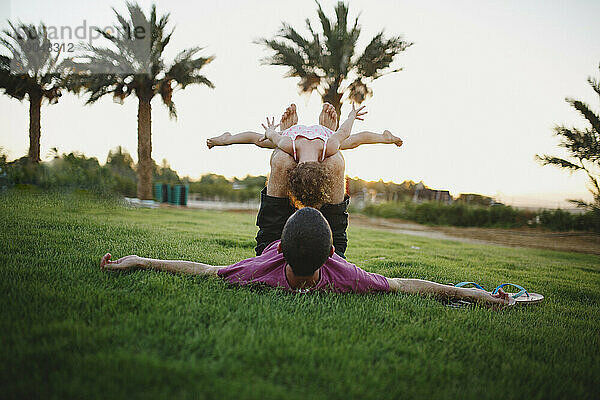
[456, 214]
[71, 171]
[559, 220]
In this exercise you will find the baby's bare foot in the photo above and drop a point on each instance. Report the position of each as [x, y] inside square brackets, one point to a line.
[222, 140]
[289, 117]
[328, 117]
[389, 138]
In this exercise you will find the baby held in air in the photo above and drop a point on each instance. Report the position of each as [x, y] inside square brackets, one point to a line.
[311, 143]
[309, 146]
[327, 119]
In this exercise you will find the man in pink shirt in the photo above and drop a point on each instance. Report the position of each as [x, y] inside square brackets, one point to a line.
[304, 260]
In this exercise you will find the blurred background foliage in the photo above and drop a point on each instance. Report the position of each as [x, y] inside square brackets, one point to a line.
[118, 176]
[377, 199]
[494, 216]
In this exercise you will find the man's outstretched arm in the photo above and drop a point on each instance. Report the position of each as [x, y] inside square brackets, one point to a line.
[422, 287]
[174, 266]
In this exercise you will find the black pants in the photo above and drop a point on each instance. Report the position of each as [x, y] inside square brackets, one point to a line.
[275, 211]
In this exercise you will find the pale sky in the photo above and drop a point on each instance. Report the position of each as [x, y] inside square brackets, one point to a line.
[481, 89]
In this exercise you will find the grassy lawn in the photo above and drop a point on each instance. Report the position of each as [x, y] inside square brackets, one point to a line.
[71, 330]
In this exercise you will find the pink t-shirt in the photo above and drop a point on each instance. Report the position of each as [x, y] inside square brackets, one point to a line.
[337, 274]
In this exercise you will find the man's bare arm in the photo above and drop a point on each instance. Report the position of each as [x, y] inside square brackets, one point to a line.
[174, 266]
[423, 287]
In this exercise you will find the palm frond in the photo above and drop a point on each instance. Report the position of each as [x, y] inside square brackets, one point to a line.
[323, 60]
[98, 85]
[583, 145]
[286, 56]
[309, 83]
[165, 88]
[582, 204]
[172, 110]
[580, 143]
[588, 114]
[341, 13]
[4, 63]
[134, 64]
[315, 49]
[325, 23]
[186, 70]
[560, 162]
[594, 84]
[379, 54]
[338, 42]
[31, 66]
[359, 91]
[287, 32]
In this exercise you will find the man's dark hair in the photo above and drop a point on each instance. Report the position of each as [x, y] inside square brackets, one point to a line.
[306, 241]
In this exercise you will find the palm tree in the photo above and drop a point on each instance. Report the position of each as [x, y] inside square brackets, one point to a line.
[583, 146]
[326, 62]
[30, 71]
[135, 65]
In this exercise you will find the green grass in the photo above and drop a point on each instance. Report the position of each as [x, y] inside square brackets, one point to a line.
[71, 330]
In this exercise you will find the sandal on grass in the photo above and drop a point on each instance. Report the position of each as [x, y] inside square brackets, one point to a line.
[511, 300]
[522, 296]
[463, 284]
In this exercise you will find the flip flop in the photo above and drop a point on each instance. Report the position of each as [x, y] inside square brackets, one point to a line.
[511, 301]
[522, 296]
[463, 284]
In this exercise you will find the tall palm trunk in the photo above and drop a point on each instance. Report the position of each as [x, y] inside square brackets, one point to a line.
[144, 170]
[35, 104]
[338, 110]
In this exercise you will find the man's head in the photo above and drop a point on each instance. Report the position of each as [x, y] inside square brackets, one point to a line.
[308, 183]
[306, 241]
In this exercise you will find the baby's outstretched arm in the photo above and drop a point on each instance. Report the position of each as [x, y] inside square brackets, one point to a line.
[335, 141]
[282, 142]
[366, 137]
[248, 137]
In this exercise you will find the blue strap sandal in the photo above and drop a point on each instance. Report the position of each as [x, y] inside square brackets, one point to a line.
[463, 284]
[522, 296]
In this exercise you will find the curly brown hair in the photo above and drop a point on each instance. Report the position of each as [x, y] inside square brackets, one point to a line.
[309, 184]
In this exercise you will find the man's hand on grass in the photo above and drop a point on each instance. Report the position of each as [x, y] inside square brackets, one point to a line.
[499, 298]
[127, 262]
[501, 294]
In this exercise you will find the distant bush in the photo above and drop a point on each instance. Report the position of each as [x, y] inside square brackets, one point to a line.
[218, 188]
[456, 214]
[76, 171]
[118, 176]
[559, 220]
[69, 171]
[499, 216]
